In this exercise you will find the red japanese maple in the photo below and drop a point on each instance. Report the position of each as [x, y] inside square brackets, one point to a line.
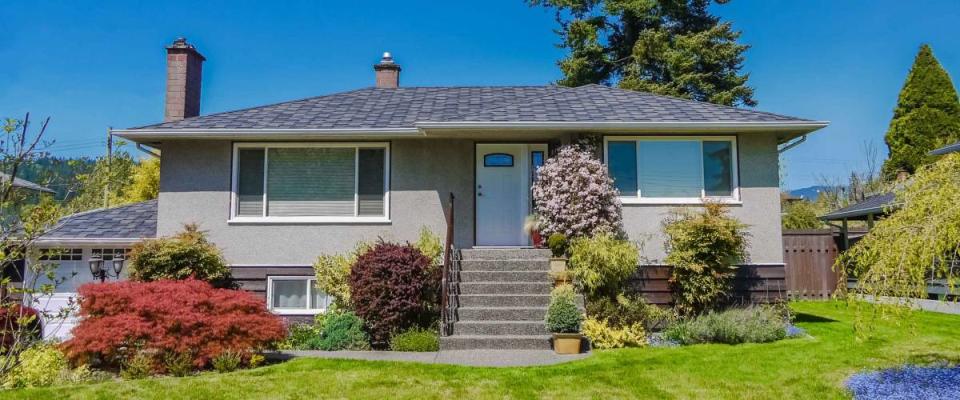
[182, 316]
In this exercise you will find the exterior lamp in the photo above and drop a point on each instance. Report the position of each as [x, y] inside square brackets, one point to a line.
[101, 273]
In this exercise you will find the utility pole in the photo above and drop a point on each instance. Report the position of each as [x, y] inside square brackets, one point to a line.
[106, 186]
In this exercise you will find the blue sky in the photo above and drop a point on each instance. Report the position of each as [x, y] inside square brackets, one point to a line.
[100, 64]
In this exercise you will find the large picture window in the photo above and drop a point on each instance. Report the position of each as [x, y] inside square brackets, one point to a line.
[673, 169]
[336, 182]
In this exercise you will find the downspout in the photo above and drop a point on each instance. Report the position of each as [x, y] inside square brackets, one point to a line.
[141, 147]
[793, 144]
[148, 151]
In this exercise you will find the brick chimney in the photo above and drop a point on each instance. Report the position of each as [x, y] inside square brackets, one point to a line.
[184, 66]
[388, 73]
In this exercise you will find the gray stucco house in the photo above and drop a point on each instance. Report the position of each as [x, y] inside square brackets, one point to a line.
[277, 185]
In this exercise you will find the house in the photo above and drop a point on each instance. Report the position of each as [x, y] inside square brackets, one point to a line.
[277, 185]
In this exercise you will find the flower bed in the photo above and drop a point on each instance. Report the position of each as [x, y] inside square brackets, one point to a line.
[909, 382]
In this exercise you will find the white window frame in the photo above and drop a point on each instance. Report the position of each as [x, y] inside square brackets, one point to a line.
[639, 199]
[355, 219]
[293, 311]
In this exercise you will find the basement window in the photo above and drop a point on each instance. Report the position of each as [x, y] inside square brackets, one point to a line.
[296, 295]
[311, 182]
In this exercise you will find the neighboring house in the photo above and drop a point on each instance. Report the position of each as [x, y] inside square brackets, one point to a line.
[27, 193]
[104, 234]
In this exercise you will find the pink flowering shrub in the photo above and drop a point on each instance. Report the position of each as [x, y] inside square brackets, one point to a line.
[575, 196]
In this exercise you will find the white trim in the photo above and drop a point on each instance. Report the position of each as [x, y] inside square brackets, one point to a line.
[293, 311]
[354, 219]
[734, 199]
[652, 126]
[54, 241]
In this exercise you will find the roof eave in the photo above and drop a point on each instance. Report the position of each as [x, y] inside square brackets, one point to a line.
[798, 127]
[152, 135]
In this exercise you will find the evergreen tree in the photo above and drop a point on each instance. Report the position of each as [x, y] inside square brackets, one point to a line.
[670, 47]
[927, 116]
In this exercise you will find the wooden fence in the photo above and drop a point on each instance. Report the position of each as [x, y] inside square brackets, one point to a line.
[809, 256]
[753, 284]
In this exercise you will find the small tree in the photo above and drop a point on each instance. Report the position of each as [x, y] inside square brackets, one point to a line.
[144, 181]
[917, 242]
[21, 290]
[704, 249]
[574, 195]
[187, 254]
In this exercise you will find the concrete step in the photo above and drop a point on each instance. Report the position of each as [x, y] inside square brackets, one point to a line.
[502, 313]
[488, 342]
[504, 265]
[501, 300]
[499, 328]
[504, 276]
[542, 287]
[504, 254]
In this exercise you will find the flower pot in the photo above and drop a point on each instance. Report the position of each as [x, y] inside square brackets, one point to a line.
[566, 343]
[558, 264]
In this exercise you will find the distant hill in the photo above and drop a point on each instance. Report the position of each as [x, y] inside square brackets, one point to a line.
[810, 193]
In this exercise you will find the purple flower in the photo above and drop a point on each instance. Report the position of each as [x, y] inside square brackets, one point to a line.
[908, 382]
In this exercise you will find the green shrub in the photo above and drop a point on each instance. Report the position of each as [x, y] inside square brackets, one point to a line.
[557, 242]
[227, 361]
[140, 366]
[563, 316]
[601, 264]
[704, 249]
[342, 330]
[625, 310]
[303, 336]
[430, 245]
[333, 273]
[40, 365]
[744, 325]
[415, 339]
[604, 336]
[178, 364]
[186, 254]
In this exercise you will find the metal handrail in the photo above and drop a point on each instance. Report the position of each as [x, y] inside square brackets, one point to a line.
[446, 317]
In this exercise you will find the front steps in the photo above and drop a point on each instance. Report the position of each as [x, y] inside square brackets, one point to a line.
[502, 301]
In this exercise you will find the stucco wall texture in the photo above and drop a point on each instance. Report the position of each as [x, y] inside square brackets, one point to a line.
[195, 188]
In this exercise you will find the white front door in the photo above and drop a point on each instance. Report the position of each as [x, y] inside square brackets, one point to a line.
[504, 176]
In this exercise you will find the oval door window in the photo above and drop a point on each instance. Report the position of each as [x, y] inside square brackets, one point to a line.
[497, 160]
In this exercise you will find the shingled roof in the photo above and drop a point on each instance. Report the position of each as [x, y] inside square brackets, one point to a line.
[132, 221]
[25, 184]
[404, 107]
[878, 204]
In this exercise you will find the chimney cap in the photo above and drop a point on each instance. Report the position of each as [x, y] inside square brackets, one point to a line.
[386, 62]
[180, 43]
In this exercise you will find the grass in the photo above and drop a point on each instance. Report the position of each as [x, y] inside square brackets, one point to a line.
[811, 368]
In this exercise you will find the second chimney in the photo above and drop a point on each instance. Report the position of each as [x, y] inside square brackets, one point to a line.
[184, 66]
[388, 72]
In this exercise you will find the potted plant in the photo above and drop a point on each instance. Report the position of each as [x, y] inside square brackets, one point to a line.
[531, 225]
[557, 242]
[563, 320]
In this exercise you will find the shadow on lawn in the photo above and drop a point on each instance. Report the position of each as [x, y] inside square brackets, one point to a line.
[804, 317]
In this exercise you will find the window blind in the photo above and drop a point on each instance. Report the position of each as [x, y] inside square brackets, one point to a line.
[311, 181]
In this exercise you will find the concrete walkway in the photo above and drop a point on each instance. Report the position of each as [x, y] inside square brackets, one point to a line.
[476, 358]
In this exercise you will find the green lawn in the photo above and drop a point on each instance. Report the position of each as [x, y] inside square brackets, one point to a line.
[792, 369]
